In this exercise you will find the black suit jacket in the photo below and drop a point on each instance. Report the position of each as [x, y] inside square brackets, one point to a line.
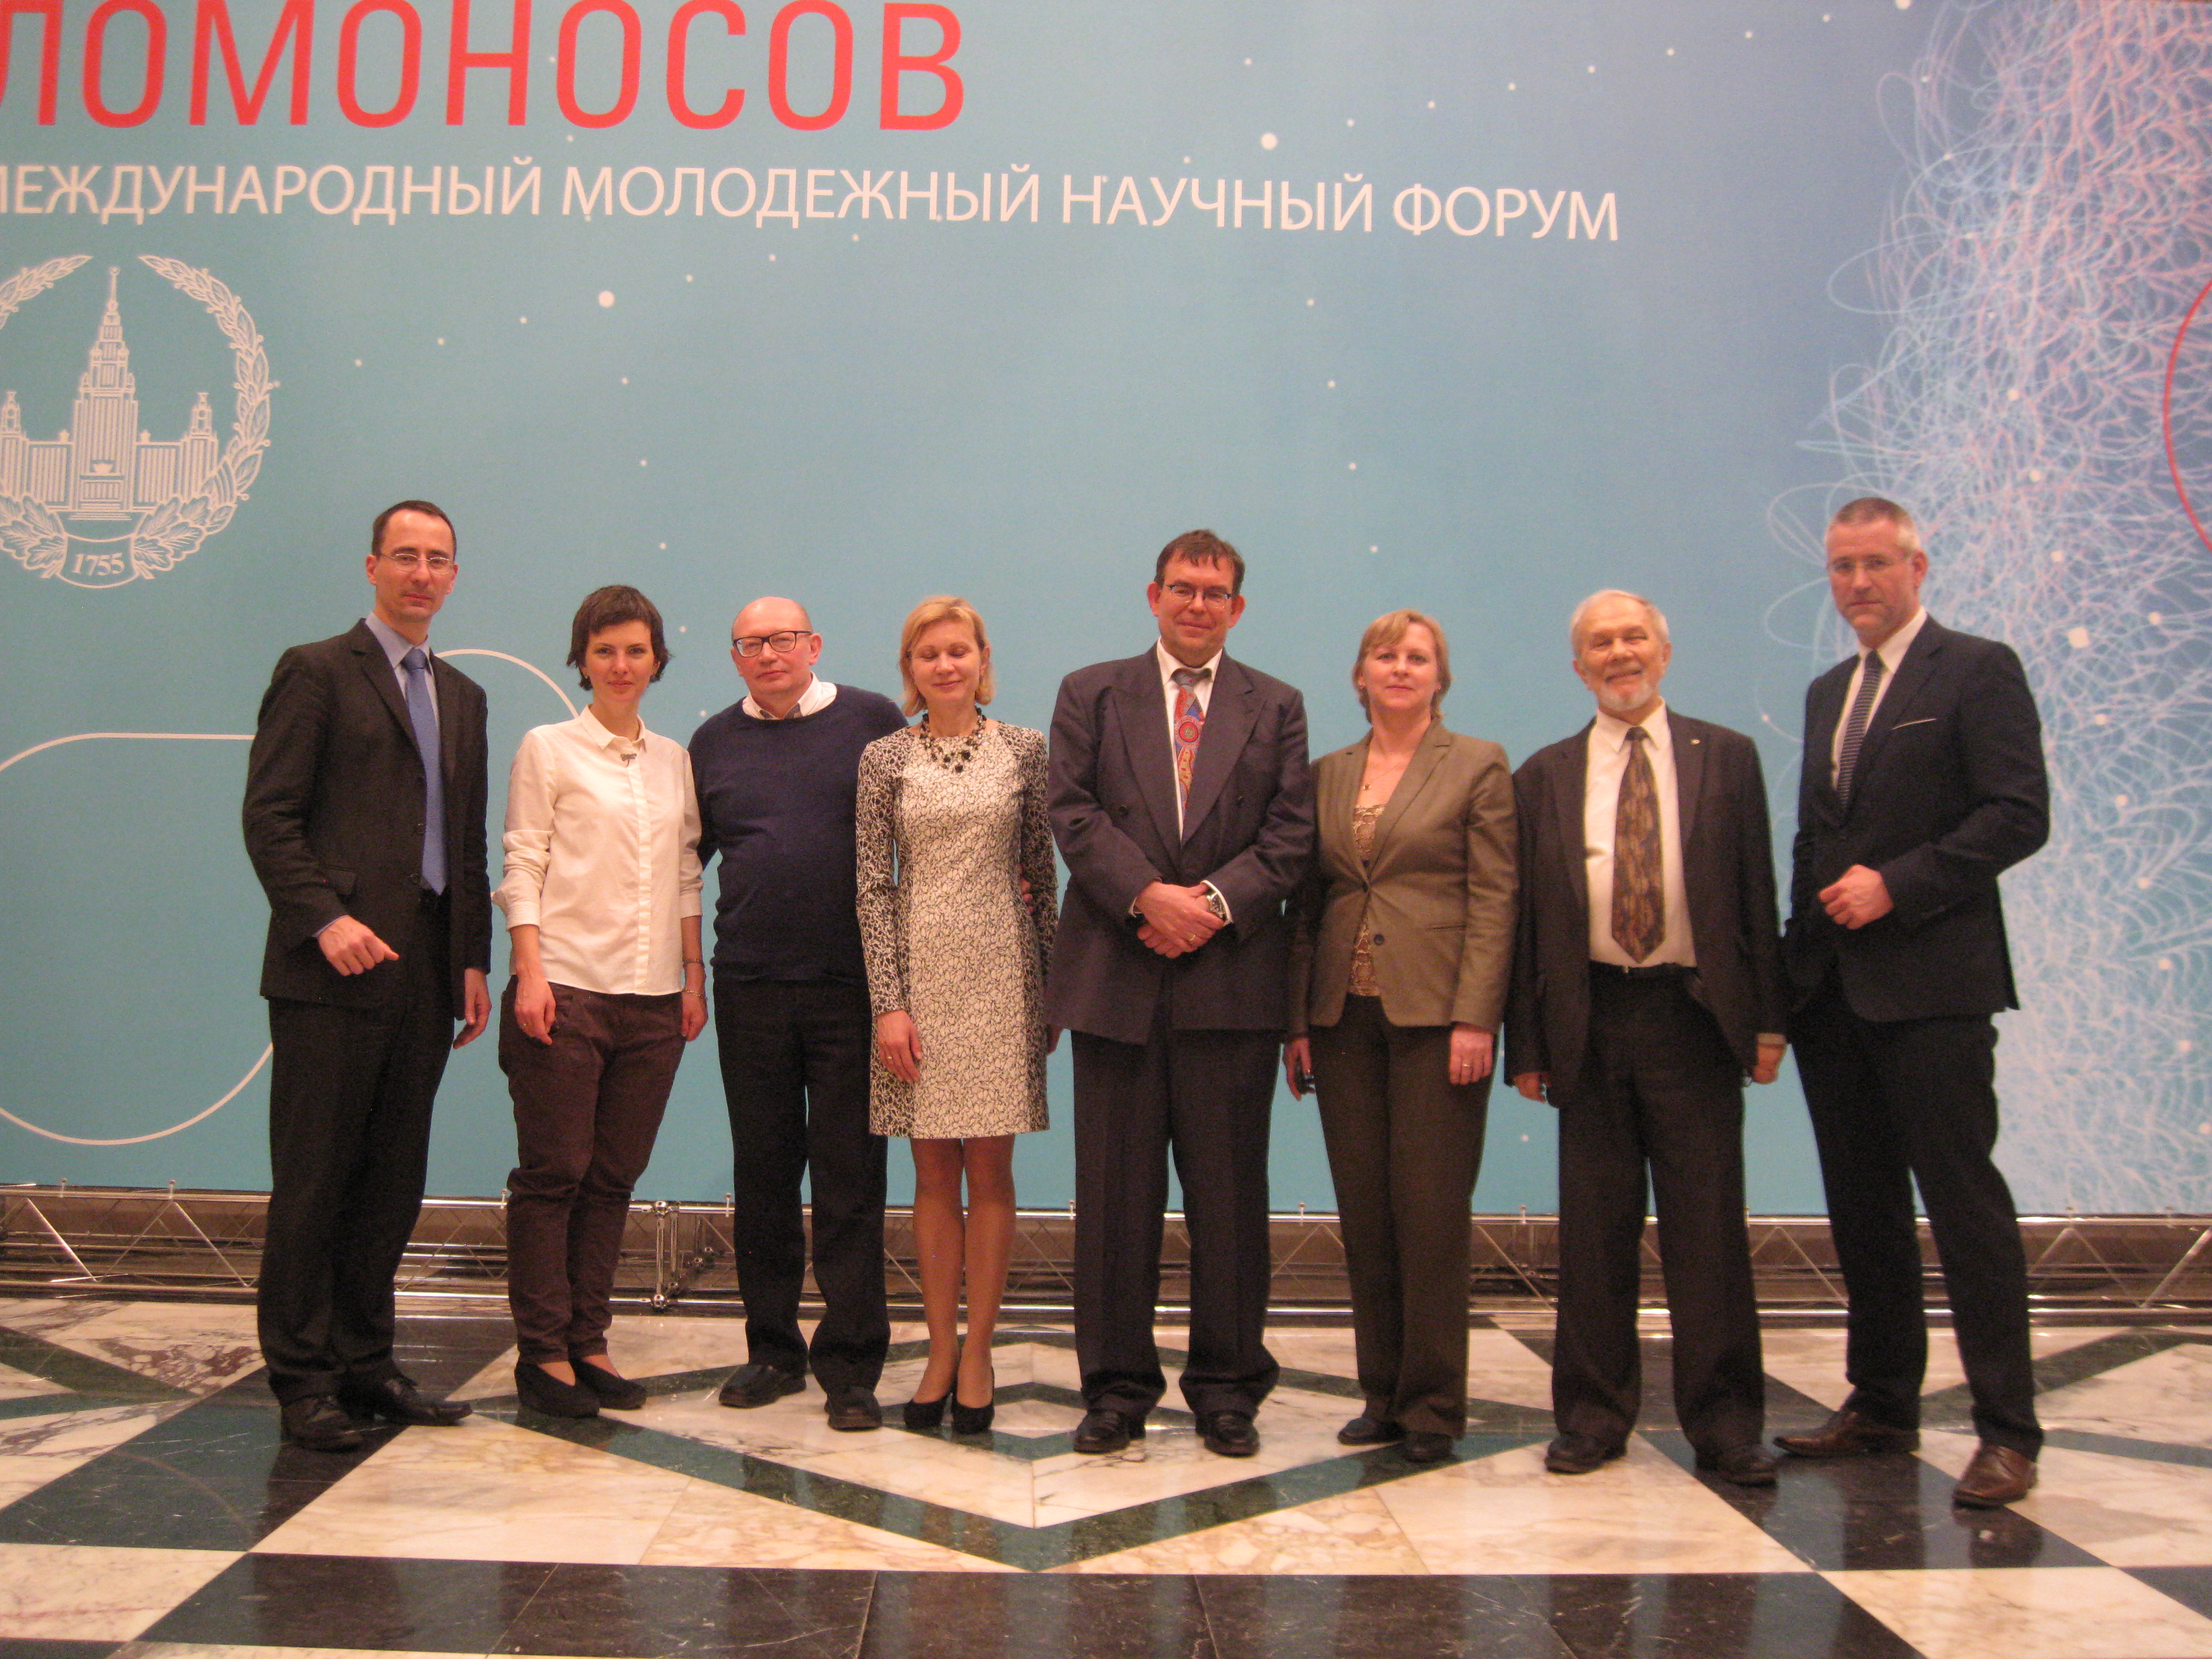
[333, 816]
[1727, 878]
[1250, 831]
[1947, 791]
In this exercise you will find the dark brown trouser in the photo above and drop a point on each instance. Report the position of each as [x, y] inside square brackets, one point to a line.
[1405, 1145]
[586, 1107]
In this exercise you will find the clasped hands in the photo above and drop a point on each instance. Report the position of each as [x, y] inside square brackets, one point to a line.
[1177, 919]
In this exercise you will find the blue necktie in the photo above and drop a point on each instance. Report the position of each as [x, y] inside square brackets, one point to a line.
[422, 712]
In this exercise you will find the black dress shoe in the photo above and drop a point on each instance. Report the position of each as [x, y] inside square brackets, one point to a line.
[613, 1390]
[315, 1422]
[1580, 1454]
[1228, 1434]
[1364, 1430]
[1997, 1475]
[396, 1399]
[852, 1409]
[541, 1391]
[1424, 1447]
[1106, 1429]
[758, 1385]
[1849, 1433]
[924, 1416]
[1748, 1464]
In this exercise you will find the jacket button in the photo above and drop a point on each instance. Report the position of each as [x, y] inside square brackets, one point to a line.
[1378, 938]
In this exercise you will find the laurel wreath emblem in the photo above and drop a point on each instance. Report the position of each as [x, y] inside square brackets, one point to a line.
[36, 540]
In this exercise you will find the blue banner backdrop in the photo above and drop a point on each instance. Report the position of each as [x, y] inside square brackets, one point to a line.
[1475, 307]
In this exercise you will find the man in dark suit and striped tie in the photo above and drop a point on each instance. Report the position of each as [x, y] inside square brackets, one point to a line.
[1923, 779]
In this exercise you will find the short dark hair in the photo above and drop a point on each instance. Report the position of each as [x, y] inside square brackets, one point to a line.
[611, 607]
[1879, 509]
[428, 510]
[1202, 547]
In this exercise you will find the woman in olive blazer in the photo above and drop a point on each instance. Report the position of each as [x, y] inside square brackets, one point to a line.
[1403, 945]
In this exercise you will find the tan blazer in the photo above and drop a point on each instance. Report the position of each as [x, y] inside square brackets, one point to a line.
[1439, 888]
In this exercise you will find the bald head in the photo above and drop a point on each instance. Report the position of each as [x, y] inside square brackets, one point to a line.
[770, 615]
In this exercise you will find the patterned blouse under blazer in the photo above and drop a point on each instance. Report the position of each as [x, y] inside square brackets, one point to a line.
[1435, 895]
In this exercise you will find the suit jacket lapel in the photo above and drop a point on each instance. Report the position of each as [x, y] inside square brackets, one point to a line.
[1229, 722]
[1905, 685]
[1569, 783]
[1144, 736]
[1436, 742]
[1689, 776]
[449, 719]
[382, 676]
[1825, 709]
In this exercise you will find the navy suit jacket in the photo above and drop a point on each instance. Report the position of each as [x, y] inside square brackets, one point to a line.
[1249, 831]
[333, 816]
[1727, 880]
[1947, 791]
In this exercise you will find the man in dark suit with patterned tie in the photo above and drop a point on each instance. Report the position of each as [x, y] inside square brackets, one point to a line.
[1647, 985]
[1180, 800]
[1923, 779]
[364, 819]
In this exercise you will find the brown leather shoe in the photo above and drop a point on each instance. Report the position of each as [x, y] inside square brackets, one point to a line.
[1996, 1476]
[1849, 1433]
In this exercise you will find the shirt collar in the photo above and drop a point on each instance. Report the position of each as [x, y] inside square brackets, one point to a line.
[395, 644]
[819, 696]
[598, 737]
[1169, 666]
[1613, 730]
[1892, 649]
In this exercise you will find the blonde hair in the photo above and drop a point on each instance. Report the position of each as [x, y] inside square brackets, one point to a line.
[939, 608]
[1390, 628]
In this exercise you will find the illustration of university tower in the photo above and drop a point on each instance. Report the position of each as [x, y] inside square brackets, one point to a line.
[105, 467]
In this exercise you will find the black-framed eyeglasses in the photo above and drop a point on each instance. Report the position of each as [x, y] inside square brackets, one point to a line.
[1213, 598]
[783, 642]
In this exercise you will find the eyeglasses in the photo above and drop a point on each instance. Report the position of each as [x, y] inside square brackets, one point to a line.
[1213, 598]
[783, 642]
[1877, 564]
[437, 564]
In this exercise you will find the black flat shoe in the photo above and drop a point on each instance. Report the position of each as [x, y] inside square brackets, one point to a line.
[316, 1422]
[612, 1390]
[540, 1391]
[923, 1416]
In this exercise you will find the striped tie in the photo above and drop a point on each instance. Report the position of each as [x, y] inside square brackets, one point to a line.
[1854, 724]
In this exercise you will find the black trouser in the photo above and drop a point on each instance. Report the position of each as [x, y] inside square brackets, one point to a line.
[794, 1058]
[1206, 1096]
[1405, 1145]
[1660, 1092]
[1893, 1102]
[586, 1107]
[349, 1096]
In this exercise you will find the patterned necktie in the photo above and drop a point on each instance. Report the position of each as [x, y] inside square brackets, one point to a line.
[1189, 723]
[1640, 915]
[1854, 724]
[423, 713]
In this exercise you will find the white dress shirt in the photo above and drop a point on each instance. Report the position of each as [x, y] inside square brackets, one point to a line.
[1608, 759]
[602, 848]
[1891, 652]
[819, 696]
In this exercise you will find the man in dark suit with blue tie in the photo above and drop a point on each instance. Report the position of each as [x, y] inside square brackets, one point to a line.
[1180, 800]
[364, 819]
[1923, 780]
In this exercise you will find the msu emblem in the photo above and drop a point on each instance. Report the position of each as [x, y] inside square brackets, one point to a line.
[105, 503]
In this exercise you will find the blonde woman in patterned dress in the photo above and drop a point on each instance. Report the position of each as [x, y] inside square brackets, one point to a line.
[957, 909]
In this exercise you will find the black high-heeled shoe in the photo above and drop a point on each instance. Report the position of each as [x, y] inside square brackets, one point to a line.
[974, 1419]
[540, 1390]
[924, 1415]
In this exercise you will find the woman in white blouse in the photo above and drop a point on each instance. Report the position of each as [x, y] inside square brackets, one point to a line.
[601, 892]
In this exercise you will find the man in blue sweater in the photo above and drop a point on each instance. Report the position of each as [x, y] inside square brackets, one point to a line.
[776, 774]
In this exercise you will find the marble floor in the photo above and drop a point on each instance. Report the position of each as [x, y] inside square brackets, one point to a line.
[148, 1511]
